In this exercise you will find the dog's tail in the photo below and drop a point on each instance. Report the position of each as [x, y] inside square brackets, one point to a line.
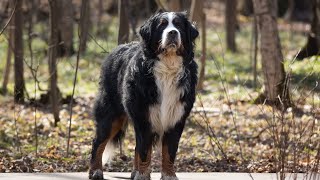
[109, 151]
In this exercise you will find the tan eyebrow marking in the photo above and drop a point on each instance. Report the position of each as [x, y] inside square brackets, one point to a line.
[162, 21]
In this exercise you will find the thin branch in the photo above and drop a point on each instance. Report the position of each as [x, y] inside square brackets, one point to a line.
[75, 79]
[10, 18]
[95, 40]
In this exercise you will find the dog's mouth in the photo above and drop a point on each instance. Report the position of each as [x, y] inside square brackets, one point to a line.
[171, 45]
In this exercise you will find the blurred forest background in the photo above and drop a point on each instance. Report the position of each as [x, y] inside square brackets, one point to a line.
[258, 102]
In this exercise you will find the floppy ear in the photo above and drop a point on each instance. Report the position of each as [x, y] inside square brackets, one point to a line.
[193, 32]
[145, 31]
[146, 28]
[192, 35]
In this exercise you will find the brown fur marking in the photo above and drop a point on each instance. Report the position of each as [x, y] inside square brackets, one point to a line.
[116, 127]
[167, 165]
[143, 167]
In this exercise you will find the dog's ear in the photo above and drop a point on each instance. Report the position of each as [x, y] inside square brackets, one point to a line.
[194, 33]
[191, 28]
[146, 29]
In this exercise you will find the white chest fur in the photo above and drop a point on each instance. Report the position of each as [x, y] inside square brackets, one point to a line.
[169, 110]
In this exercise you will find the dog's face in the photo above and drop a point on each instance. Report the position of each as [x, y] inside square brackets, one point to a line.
[169, 32]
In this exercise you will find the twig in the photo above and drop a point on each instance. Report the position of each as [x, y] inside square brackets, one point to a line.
[75, 81]
[33, 71]
[95, 40]
[16, 127]
[255, 50]
[209, 130]
[10, 18]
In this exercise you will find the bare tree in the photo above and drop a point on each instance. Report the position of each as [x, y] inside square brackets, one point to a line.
[276, 91]
[198, 15]
[231, 24]
[299, 10]
[255, 51]
[313, 45]
[123, 35]
[18, 54]
[245, 7]
[100, 13]
[65, 24]
[53, 45]
[84, 24]
[83, 14]
[7, 69]
[174, 5]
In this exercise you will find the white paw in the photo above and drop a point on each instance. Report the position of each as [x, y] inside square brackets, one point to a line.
[166, 177]
[133, 174]
[139, 176]
[97, 174]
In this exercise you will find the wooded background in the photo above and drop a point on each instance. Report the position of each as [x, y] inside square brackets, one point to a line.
[262, 54]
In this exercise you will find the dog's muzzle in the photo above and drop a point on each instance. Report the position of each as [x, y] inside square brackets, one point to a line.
[171, 40]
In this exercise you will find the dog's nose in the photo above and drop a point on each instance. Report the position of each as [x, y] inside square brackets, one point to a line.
[173, 33]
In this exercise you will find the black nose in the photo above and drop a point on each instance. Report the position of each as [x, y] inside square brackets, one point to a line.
[173, 33]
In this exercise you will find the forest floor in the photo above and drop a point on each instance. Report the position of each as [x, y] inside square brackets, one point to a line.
[211, 140]
[225, 132]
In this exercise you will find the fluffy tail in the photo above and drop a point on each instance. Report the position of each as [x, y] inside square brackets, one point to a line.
[109, 151]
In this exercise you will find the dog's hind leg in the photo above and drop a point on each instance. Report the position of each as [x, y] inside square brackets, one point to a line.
[106, 131]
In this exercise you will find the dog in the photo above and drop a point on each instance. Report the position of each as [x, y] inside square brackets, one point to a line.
[150, 83]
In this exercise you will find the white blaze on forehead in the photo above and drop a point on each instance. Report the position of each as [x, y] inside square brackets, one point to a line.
[170, 27]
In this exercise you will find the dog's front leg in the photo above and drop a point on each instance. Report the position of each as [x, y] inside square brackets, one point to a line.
[142, 159]
[170, 144]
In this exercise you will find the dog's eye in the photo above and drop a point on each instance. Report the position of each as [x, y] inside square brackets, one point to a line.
[163, 22]
[177, 23]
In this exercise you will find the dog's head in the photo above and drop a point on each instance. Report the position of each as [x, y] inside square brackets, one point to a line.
[168, 33]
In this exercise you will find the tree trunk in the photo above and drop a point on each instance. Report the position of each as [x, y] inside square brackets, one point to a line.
[198, 15]
[18, 55]
[123, 35]
[313, 45]
[299, 10]
[134, 14]
[65, 24]
[204, 52]
[255, 50]
[84, 24]
[245, 7]
[53, 44]
[6, 73]
[276, 92]
[231, 24]
[100, 13]
[174, 5]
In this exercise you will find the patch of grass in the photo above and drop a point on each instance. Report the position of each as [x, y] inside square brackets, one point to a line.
[235, 69]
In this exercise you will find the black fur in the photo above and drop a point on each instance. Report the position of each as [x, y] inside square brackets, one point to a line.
[127, 86]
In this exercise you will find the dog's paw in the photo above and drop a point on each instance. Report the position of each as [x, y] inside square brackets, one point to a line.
[139, 176]
[96, 175]
[133, 174]
[166, 177]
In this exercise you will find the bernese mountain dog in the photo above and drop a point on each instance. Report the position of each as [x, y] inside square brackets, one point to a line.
[152, 84]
